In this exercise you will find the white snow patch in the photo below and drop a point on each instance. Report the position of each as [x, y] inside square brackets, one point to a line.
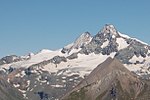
[57, 85]
[37, 58]
[8, 80]
[76, 78]
[135, 58]
[28, 83]
[133, 67]
[31, 89]
[83, 39]
[18, 75]
[59, 73]
[140, 69]
[64, 81]
[2, 69]
[105, 44]
[83, 65]
[47, 83]
[123, 35]
[63, 77]
[16, 85]
[25, 96]
[38, 78]
[113, 36]
[70, 79]
[22, 74]
[45, 51]
[43, 81]
[23, 91]
[109, 29]
[122, 43]
[148, 51]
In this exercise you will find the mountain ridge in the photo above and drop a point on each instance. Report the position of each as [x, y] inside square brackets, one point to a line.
[105, 76]
[51, 74]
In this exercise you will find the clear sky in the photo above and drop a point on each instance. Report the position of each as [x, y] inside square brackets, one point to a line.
[31, 25]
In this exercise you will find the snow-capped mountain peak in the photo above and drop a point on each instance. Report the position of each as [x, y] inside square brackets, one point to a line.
[109, 29]
[85, 38]
[81, 41]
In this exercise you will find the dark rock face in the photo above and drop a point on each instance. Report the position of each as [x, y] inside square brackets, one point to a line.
[112, 47]
[9, 59]
[58, 59]
[110, 34]
[11, 69]
[135, 48]
[28, 71]
[73, 56]
[42, 95]
[125, 55]
[66, 50]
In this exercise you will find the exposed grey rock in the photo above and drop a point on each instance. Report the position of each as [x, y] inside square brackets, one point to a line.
[112, 47]
[80, 42]
[73, 56]
[9, 59]
[106, 34]
[42, 84]
[65, 50]
[58, 59]
[135, 48]
[125, 55]
[8, 92]
[110, 34]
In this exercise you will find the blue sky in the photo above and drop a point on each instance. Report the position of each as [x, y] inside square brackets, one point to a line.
[31, 25]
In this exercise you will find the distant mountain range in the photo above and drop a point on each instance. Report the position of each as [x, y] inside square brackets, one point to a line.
[106, 66]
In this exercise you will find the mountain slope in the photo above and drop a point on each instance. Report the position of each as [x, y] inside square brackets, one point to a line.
[110, 80]
[8, 92]
[81, 41]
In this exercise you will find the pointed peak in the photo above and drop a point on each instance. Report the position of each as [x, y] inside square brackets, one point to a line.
[83, 39]
[88, 33]
[109, 29]
[85, 34]
[110, 25]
